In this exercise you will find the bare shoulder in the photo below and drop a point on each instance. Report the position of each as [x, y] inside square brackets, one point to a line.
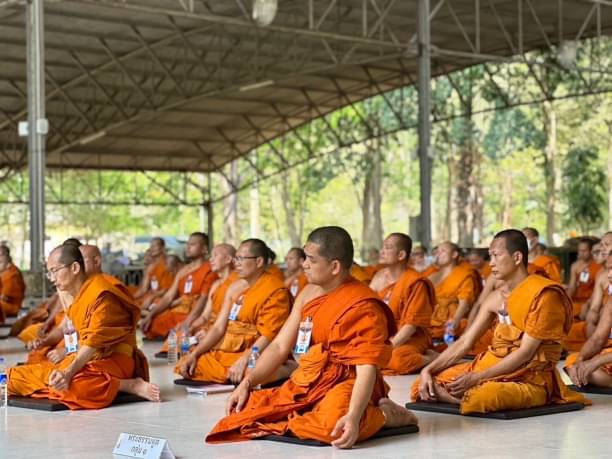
[238, 286]
[308, 293]
[493, 301]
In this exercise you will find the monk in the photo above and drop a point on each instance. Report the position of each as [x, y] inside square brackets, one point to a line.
[157, 277]
[539, 256]
[12, 287]
[593, 365]
[480, 264]
[192, 281]
[457, 287]
[598, 254]
[411, 298]
[518, 370]
[337, 394]
[253, 312]
[601, 291]
[106, 360]
[418, 260]
[295, 279]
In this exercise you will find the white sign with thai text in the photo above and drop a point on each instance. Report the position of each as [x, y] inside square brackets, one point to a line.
[142, 447]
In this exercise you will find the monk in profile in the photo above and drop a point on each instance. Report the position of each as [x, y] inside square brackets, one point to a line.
[340, 332]
[538, 255]
[12, 287]
[100, 328]
[519, 368]
[295, 279]
[457, 287]
[418, 260]
[157, 277]
[593, 365]
[411, 298]
[192, 281]
[253, 312]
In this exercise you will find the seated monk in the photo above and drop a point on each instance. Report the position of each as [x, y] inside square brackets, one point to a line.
[192, 281]
[106, 359]
[206, 308]
[457, 287]
[12, 287]
[539, 256]
[593, 365]
[337, 394]
[360, 274]
[254, 310]
[411, 298]
[272, 267]
[157, 277]
[295, 279]
[480, 264]
[519, 369]
[418, 260]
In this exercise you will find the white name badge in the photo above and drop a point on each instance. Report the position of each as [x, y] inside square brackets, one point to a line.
[142, 447]
[154, 284]
[188, 285]
[236, 309]
[387, 298]
[71, 342]
[294, 288]
[610, 289]
[303, 340]
[584, 277]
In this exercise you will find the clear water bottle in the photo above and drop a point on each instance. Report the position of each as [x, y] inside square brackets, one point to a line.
[253, 357]
[449, 334]
[172, 354]
[185, 344]
[3, 384]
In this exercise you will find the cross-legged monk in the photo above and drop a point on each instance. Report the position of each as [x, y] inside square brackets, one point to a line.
[254, 310]
[518, 370]
[411, 298]
[191, 281]
[593, 365]
[295, 279]
[539, 257]
[480, 264]
[106, 360]
[337, 394]
[583, 274]
[457, 286]
[157, 277]
[12, 289]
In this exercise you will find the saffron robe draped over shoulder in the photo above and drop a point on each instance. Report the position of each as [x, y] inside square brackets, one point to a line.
[541, 309]
[265, 307]
[12, 292]
[411, 300]
[104, 316]
[351, 326]
[551, 265]
[190, 287]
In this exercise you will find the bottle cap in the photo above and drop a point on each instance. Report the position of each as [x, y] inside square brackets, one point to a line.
[255, 349]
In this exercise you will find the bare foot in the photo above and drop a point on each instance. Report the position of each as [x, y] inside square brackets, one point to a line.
[396, 415]
[140, 387]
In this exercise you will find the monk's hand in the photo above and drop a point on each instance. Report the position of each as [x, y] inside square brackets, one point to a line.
[60, 380]
[238, 398]
[572, 373]
[35, 344]
[56, 355]
[236, 371]
[427, 391]
[583, 371]
[200, 334]
[146, 323]
[347, 428]
[463, 383]
[188, 366]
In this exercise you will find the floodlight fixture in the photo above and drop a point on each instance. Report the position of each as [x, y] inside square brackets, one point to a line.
[264, 11]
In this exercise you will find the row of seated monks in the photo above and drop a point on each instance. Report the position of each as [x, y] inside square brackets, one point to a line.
[330, 330]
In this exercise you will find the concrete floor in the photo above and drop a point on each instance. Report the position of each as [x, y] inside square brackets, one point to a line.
[184, 420]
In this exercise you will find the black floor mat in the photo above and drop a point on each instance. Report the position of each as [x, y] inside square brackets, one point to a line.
[449, 408]
[380, 434]
[44, 404]
[590, 389]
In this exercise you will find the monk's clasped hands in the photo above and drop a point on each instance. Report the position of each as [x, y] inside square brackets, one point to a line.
[463, 383]
[60, 380]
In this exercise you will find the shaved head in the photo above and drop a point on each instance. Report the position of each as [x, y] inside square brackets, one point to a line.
[92, 258]
[226, 249]
[334, 243]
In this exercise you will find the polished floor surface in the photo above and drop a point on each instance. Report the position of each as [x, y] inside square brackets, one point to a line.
[184, 420]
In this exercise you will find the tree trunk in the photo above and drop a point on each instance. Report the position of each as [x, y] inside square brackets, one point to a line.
[609, 175]
[230, 214]
[254, 211]
[550, 169]
[372, 230]
[289, 211]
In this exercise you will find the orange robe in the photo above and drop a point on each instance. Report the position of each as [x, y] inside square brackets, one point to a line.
[430, 270]
[411, 300]
[577, 335]
[485, 272]
[535, 269]
[265, 307]
[360, 274]
[551, 265]
[371, 270]
[541, 309]
[104, 316]
[463, 283]
[275, 270]
[190, 287]
[351, 326]
[297, 284]
[160, 279]
[12, 291]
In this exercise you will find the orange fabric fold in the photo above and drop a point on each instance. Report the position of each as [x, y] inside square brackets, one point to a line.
[12, 291]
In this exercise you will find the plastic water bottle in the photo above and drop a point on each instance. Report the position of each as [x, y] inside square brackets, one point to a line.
[253, 357]
[449, 334]
[172, 347]
[3, 384]
[185, 344]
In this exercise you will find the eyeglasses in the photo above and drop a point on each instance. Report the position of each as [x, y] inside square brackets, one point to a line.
[240, 259]
[51, 273]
